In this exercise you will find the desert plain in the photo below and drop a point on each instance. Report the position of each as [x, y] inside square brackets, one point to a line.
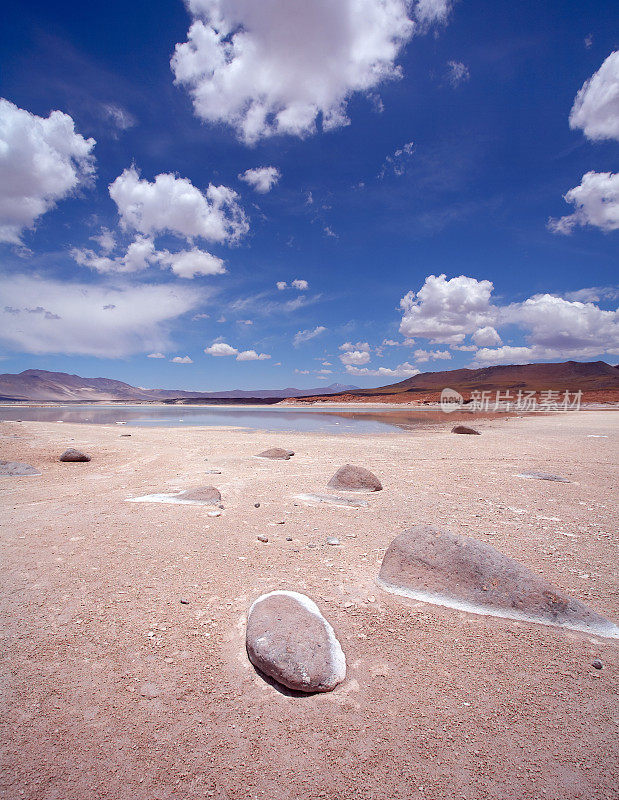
[124, 669]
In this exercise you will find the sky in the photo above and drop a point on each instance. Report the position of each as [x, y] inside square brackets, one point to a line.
[226, 194]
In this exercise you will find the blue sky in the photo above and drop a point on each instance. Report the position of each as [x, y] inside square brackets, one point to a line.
[391, 144]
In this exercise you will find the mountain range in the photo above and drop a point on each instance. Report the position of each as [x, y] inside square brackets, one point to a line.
[42, 385]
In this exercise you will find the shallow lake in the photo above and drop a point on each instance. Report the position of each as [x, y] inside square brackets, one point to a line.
[316, 420]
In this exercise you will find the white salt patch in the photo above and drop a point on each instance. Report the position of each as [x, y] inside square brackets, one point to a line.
[166, 498]
[597, 436]
[609, 631]
[330, 500]
[338, 659]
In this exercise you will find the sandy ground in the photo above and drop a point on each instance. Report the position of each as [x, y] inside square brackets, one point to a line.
[112, 688]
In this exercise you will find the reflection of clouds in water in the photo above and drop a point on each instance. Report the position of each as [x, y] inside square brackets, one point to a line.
[256, 418]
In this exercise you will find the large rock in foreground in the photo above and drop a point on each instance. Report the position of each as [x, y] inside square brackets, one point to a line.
[447, 569]
[290, 641]
[355, 479]
[74, 455]
[465, 429]
[276, 453]
[17, 469]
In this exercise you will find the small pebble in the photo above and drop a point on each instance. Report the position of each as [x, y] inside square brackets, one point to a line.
[184, 602]
[256, 505]
[333, 540]
[596, 663]
[263, 538]
[288, 538]
[281, 522]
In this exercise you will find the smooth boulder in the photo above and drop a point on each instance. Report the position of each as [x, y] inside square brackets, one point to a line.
[355, 479]
[445, 568]
[74, 455]
[17, 468]
[201, 494]
[465, 429]
[289, 640]
[276, 453]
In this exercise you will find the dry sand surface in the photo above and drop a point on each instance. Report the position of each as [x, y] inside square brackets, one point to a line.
[114, 688]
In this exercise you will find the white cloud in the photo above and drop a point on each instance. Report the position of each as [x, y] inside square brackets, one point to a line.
[300, 284]
[457, 73]
[174, 205]
[42, 161]
[596, 107]
[105, 239]
[422, 356]
[182, 360]
[597, 203]
[404, 370]
[276, 67]
[189, 263]
[83, 319]
[252, 355]
[281, 285]
[444, 311]
[465, 348]
[327, 364]
[355, 357]
[119, 117]
[594, 294]
[398, 160]
[221, 349]
[348, 346]
[262, 179]
[155, 355]
[324, 372]
[304, 336]
[486, 337]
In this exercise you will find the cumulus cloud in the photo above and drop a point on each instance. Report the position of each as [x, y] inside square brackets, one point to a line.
[444, 311]
[281, 285]
[42, 161]
[105, 239]
[300, 284]
[104, 321]
[155, 355]
[182, 360]
[404, 370]
[457, 73]
[421, 356]
[174, 205]
[486, 337]
[189, 263]
[262, 179]
[596, 107]
[252, 355]
[597, 203]
[275, 68]
[221, 349]
[304, 336]
[355, 357]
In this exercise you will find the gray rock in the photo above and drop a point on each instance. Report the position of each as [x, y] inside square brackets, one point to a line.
[289, 640]
[444, 568]
[263, 538]
[596, 663]
[208, 495]
[355, 479]
[17, 469]
[74, 455]
[465, 429]
[542, 476]
[333, 540]
[276, 453]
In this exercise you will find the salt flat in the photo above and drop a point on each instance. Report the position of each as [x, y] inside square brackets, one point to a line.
[114, 688]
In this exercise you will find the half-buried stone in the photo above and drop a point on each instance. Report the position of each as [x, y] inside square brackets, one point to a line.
[465, 429]
[17, 469]
[355, 479]
[74, 455]
[542, 476]
[200, 496]
[444, 568]
[203, 494]
[289, 640]
[276, 453]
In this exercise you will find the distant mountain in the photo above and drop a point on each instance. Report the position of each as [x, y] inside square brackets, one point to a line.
[595, 377]
[42, 385]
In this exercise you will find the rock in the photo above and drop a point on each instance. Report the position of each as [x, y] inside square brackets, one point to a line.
[333, 540]
[440, 567]
[263, 538]
[256, 505]
[331, 500]
[355, 479]
[542, 476]
[184, 602]
[596, 663]
[288, 538]
[125, 435]
[208, 495]
[464, 429]
[17, 469]
[290, 641]
[276, 453]
[150, 691]
[74, 455]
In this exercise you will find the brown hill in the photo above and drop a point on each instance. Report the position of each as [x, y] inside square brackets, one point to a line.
[597, 380]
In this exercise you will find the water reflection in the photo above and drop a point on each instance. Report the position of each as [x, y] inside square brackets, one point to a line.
[318, 420]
